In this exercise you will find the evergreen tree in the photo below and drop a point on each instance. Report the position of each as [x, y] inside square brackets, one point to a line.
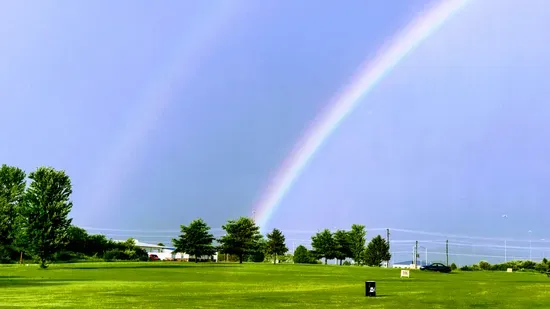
[276, 244]
[241, 238]
[377, 251]
[195, 240]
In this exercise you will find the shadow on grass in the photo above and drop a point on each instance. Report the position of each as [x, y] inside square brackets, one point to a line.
[10, 277]
[114, 266]
[21, 282]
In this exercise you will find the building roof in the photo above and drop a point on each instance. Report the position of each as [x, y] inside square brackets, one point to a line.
[143, 244]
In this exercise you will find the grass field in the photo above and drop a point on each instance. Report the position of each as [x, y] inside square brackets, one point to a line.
[186, 285]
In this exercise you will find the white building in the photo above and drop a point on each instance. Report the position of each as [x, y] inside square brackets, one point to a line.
[167, 253]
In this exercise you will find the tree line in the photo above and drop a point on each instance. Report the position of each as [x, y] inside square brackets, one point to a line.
[243, 239]
[35, 224]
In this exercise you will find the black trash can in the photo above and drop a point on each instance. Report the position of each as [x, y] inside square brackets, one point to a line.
[370, 288]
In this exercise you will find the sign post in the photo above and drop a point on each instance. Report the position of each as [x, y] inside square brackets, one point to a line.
[405, 273]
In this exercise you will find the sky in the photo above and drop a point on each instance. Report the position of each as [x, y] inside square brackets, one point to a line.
[165, 113]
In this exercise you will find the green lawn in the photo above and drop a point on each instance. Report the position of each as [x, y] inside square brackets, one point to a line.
[186, 285]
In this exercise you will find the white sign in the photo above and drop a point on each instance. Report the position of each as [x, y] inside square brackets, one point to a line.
[404, 273]
[509, 270]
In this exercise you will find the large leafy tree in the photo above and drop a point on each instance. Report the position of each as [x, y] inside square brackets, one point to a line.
[276, 244]
[241, 239]
[324, 245]
[357, 242]
[343, 245]
[45, 213]
[377, 251]
[195, 239]
[12, 190]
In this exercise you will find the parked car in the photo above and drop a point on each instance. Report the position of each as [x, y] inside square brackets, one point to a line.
[154, 257]
[437, 267]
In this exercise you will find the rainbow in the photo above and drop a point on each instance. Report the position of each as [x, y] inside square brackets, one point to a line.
[371, 73]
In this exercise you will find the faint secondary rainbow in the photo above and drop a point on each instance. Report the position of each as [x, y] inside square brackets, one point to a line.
[121, 157]
[371, 73]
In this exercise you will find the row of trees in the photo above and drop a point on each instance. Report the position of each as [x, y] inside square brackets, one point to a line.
[542, 266]
[35, 223]
[243, 239]
[342, 245]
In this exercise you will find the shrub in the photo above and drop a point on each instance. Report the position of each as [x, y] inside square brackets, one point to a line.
[528, 265]
[453, 266]
[476, 267]
[466, 268]
[115, 254]
[541, 267]
[303, 256]
[346, 263]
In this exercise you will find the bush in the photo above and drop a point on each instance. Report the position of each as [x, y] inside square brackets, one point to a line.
[528, 265]
[347, 263]
[115, 254]
[466, 268]
[453, 266]
[476, 267]
[484, 265]
[541, 267]
[303, 256]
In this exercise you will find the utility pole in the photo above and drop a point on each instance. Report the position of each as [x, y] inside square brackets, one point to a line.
[447, 251]
[388, 240]
[416, 255]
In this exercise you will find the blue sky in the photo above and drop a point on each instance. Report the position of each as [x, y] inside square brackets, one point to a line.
[165, 113]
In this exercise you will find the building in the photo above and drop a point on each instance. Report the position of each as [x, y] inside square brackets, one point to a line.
[167, 253]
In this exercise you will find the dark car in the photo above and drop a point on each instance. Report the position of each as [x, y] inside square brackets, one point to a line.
[437, 267]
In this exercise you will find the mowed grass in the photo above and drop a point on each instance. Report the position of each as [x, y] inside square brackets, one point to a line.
[186, 285]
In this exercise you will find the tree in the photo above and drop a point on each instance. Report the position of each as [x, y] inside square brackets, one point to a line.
[195, 239]
[45, 211]
[160, 244]
[357, 242]
[276, 244]
[12, 190]
[257, 253]
[343, 245]
[241, 238]
[303, 256]
[377, 250]
[324, 245]
[77, 240]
